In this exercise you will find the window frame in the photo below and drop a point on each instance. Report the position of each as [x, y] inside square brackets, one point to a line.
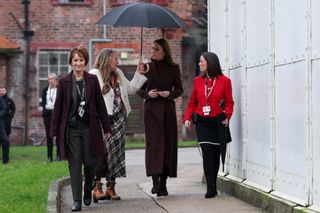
[59, 66]
[84, 3]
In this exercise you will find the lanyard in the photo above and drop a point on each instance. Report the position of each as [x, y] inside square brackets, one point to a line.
[208, 90]
[81, 94]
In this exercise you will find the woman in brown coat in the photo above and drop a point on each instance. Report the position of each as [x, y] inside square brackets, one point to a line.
[79, 112]
[160, 90]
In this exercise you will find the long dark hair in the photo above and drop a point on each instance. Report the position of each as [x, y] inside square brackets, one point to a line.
[213, 64]
[167, 50]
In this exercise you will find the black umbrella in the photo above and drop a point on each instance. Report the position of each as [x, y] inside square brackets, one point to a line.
[142, 15]
[223, 134]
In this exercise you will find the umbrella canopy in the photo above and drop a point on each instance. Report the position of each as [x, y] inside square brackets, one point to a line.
[142, 15]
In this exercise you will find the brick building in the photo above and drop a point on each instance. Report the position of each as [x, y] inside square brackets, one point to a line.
[42, 32]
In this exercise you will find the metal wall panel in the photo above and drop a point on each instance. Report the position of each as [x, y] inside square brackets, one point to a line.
[234, 166]
[259, 160]
[290, 27]
[235, 36]
[217, 25]
[291, 130]
[315, 28]
[258, 32]
[316, 132]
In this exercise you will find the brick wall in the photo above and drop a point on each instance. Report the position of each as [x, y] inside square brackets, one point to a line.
[63, 27]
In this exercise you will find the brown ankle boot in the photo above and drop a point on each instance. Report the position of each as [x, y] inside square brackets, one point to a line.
[97, 192]
[110, 192]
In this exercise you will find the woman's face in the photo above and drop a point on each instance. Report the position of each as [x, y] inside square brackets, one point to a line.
[203, 64]
[114, 61]
[157, 52]
[78, 63]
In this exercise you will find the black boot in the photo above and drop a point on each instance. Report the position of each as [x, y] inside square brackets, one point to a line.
[163, 186]
[156, 184]
[76, 206]
[211, 191]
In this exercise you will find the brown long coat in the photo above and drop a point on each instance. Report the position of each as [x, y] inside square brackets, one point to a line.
[97, 111]
[160, 118]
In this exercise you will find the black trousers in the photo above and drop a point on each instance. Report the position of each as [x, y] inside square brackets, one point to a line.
[78, 148]
[47, 123]
[211, 163]
[4, 141]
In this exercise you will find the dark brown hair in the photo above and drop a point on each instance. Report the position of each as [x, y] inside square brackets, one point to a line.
[167, 50]
[82, 52]
[213, 64]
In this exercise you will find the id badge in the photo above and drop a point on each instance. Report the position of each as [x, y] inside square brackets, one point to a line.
[80, 111]
[206, 110]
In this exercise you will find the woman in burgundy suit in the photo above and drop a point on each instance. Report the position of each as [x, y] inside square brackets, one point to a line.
[209, 90]
[78, 115]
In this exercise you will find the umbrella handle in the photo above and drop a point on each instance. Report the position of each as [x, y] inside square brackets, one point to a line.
[141, 37]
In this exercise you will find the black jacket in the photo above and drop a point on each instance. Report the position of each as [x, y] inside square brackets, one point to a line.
[11, 110]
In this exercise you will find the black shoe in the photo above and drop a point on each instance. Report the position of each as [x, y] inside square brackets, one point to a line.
[87, 197]
[50, 160]
[58, 158]
[210, 194]
[76, 206]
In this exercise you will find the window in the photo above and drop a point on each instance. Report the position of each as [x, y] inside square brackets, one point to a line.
[55, 61]
[71, 2]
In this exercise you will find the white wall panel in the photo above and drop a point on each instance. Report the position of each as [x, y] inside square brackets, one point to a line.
[217, 25]
[258, 32]
[235, 36]
[236, 146]
[259, 129]
[291, 130]
[315, 28]
[290, 30]
[316, 132]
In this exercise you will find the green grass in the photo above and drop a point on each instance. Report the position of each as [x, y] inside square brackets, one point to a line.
[25, 181]
[140, 143]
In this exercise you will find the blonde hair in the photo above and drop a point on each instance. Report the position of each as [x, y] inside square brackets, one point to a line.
[102, 63]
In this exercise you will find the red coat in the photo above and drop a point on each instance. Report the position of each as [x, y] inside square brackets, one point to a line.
[97, 111]
[222, 90]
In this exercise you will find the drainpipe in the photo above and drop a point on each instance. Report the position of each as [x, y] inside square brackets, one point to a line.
[27, 37]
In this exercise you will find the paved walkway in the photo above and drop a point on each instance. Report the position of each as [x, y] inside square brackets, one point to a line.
[186, 193]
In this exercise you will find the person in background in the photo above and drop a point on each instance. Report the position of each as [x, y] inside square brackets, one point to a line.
[115, 88]
[79, 113]
[11, 109]
[49, 94]
[3, 134]
[209, 90]
[162, 87]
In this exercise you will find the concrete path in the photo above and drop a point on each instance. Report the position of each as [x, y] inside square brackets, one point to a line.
[186, 193]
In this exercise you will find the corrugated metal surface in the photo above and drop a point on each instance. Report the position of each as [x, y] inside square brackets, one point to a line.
[271, 51]
[291, 130]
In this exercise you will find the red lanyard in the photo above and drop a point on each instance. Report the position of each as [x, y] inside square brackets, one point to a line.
[208, 89]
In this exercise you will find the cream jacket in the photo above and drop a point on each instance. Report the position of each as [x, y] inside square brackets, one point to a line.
[126, 88]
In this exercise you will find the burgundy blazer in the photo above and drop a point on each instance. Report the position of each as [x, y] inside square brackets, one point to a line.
[97, 111]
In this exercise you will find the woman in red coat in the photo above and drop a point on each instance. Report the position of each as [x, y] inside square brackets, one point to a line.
[160, 119]
[78, 115]
[209, 90]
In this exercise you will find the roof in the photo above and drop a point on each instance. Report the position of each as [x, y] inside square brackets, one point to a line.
[8, 47]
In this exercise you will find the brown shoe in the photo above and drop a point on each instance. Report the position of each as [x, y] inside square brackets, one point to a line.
[97, 192]
[110, 192]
